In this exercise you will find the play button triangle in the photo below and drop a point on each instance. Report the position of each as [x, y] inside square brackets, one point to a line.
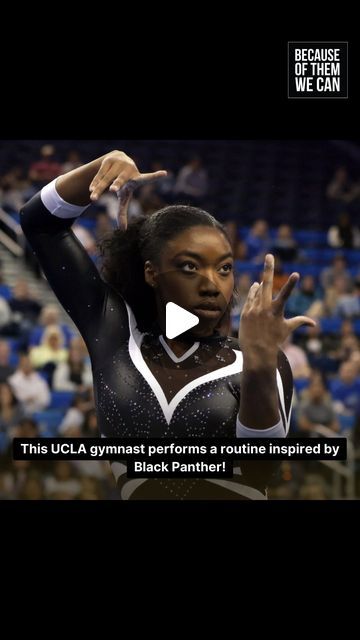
[178, 320]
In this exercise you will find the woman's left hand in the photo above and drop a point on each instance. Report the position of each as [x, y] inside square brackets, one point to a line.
[125, 193]
[263, 328]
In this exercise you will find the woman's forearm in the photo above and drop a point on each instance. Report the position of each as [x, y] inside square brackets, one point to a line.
[259, 403]
[73, 187]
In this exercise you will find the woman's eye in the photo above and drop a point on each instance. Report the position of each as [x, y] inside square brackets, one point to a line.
[188, 267]
[226, 268]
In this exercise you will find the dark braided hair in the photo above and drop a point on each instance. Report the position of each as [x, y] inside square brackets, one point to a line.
[124, 254]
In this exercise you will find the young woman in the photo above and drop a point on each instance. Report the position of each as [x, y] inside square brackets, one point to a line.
[147, 385]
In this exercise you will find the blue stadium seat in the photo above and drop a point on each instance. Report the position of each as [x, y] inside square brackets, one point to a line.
[347, 423]
[5, 291]
[48, 421]
[88, 223]
[331, 325]
[61, 399]
[4, 441]
[300, 384]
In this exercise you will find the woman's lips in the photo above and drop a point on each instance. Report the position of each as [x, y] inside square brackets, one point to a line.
[207, 311]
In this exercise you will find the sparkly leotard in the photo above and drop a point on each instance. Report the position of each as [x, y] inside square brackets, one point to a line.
[141, 388]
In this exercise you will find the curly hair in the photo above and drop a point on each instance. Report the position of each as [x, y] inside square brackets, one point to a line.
[124, 254]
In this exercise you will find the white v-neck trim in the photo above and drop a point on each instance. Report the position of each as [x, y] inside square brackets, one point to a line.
[168, 408]
[172, 355]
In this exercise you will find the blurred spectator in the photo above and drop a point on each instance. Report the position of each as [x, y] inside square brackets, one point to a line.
[90, 428]
[344, 234]
[239, 246]
[91, 488]
[303, 297]
[319, 351]
[13, 187]
[104, 225]
[26, 428]
[32, 488]
[285, 245]
[46, 169]
[51, 349]
[63, 485]
[50, 315]
[29, 387]
[340, 187]
[297, 358]
[73, 419]
[192, 182]
[314, 488]
[24, 303]
[148, 200]
[258, 241]
[317, 409]
[72, 161]
[75, 373]
[338, 268]
[333, 294]
[346, 390]
[164, 187]
[348, 304]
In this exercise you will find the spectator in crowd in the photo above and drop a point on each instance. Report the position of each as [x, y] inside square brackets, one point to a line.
[45, 169]
[340, 186]
[63, 484]
[258, 241]
[304, 296]
[29, 387]
[297, 358]
[13, 188]
[317, 409]
[50, 315]
[24, 303]
[348, 304]
[192, 182]
[285, 245]
[346, 389]
[338, 268]
[344, 235]
[75, 373]
[72, 161]
[32, 488]
[51, 349]
[164, 187]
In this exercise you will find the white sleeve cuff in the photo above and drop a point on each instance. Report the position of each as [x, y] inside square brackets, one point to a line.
[57, 206]
[277, 431]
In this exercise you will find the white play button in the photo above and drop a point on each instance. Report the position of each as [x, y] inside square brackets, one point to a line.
[178, 320]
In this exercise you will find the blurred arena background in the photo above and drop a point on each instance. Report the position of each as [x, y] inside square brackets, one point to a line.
[298, 199]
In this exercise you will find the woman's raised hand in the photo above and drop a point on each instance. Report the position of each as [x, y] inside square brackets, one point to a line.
[263, 327]
[119, 173]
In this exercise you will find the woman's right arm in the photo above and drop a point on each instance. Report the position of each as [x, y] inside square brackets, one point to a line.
[46, 221]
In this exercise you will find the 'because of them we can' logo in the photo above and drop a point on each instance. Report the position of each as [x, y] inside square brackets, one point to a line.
[317, 69]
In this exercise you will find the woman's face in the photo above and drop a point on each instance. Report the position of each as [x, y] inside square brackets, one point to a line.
[195, 271]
